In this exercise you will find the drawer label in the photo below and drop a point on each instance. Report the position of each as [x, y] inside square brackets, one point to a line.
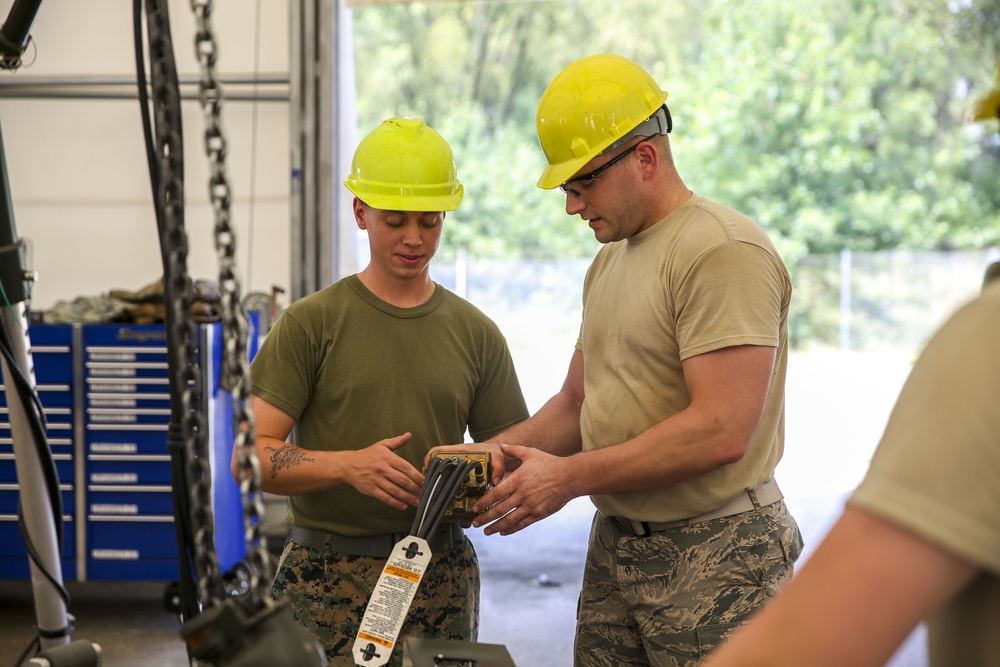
[113, 508]
[114, 554]
[113, 372]
[114, 477]
[118, 387]
[108, 417]
[112, 356]
[114, 448]
[113, 402]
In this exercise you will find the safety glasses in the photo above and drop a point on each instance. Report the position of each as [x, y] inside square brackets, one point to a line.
[587, 178]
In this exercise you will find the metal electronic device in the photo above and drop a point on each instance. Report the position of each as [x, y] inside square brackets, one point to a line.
[474, 488]
[423, 652]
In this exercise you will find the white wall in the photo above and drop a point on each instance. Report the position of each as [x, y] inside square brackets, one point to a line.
[77, 168]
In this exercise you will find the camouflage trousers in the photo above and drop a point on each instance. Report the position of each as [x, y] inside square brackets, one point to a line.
[328, 593]
[669, 598]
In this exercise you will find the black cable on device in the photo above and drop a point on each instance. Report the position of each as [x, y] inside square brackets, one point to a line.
[446, 499]
[441, 483]
[433, 489]
[422, 504]
[440, 500]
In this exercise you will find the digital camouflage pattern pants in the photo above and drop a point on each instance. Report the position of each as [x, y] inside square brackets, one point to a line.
[669, 598]
[328, 593]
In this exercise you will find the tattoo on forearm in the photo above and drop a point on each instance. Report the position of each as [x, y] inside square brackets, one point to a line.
[286, 457]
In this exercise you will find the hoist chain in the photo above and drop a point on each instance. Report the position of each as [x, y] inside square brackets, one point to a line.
[235, 370]
[178, 287]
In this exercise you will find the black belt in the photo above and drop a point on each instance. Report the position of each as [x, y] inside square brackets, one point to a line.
[376, 546]
[751, 499]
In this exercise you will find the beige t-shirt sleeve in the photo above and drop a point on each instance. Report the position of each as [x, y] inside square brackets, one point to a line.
[936, 471]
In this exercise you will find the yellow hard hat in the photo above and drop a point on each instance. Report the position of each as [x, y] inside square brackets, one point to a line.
[404, 165]
[594, 104]
[989, 107]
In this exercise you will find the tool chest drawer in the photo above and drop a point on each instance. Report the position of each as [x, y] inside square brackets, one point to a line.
[105, 392]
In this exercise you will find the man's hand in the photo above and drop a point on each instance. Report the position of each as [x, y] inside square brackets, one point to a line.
[377, 471]
[536, 489]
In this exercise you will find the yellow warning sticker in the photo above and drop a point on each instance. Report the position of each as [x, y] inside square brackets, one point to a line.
[402, 573]
[377, 640]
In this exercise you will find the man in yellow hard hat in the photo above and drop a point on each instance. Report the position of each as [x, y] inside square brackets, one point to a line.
[671, 414]
[920, 536]
[988, 108]
[371, 372]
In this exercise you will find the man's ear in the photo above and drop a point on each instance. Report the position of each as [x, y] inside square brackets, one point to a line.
[649, 154]
[359, 214]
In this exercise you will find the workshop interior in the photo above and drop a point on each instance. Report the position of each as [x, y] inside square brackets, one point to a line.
[116, 463]
[121, 433]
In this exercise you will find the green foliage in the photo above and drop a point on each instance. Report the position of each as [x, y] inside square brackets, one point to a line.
[834, 123]
[490, 221]
[843, 131]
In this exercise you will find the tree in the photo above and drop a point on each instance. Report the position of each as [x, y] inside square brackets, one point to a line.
[842, 129]
[834, 124]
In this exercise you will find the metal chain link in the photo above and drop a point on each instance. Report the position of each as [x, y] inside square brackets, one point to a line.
[183, 332]
[235, 369]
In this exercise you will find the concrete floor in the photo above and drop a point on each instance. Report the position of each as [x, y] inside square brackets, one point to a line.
[535, 622]
[530, 586]
[127, 620]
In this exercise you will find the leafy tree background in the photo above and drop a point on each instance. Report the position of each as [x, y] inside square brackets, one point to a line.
[834, 123]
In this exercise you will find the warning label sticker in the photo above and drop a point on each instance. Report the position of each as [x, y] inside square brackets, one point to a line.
[390, 602]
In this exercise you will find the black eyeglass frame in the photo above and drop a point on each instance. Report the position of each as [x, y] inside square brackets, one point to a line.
[590, 176]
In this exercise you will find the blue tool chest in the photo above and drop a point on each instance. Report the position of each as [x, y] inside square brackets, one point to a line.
[105, 392]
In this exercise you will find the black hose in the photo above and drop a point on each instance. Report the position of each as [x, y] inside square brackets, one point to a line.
[147, 122]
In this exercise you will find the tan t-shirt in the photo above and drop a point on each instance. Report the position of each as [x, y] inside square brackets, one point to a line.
[936, 472]
[704, 278]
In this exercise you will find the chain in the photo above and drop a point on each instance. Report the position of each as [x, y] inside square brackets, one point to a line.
[183, 332]
[235, 370]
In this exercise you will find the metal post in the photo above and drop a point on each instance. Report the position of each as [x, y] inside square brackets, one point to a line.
[322, 136]
[50, 609]
[36, 506]
[302, 145]
[845, 299]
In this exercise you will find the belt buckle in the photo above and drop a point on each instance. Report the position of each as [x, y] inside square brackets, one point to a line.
[640, 528]
[436, 542]
[447, 539]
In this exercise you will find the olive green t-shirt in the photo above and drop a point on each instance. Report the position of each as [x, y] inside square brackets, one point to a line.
[353, 370]
[704, 278]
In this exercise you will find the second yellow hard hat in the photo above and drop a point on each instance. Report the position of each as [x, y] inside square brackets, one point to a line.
[404, 165]
[587, 107]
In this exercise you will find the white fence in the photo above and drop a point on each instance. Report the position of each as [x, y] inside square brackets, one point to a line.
[851, 301]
